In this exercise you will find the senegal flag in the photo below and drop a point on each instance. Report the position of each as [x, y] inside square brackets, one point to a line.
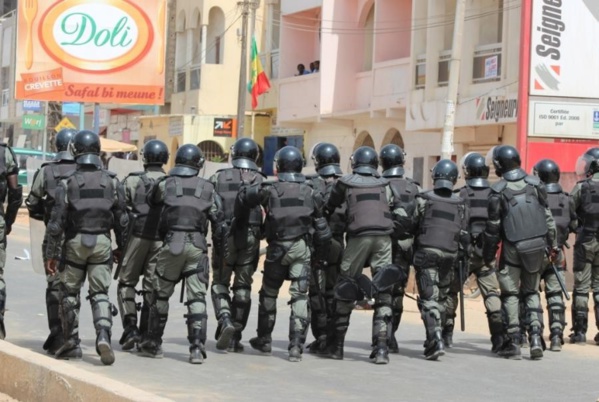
[259, 83]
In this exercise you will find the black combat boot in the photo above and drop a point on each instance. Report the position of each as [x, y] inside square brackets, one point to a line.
[295, 348]
[336, 346]
[447, 335]
[70, 349]
[579, 329]
[131, 335]
[392, 340]
[262, 343]
[227, 331]
[197, 350]
[537, 344]
[2, 307]
[496, 342]
[151, 345]
[434, 346]
[103, 346]
[511, 347]
[496, 329]
[318, 346]
[235, 345]
[557, 340]
[380, 353]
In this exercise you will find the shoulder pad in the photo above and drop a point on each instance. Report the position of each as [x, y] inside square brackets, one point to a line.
[223, 169]
[533, 180]
[356, 180]
[269, 182]
[48, 163]
[499, 186]
[312, 176]
[425, 194]
[109, 173]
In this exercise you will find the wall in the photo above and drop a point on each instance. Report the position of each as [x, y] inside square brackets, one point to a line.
[300, 42]
[296, 6]
[394, 16]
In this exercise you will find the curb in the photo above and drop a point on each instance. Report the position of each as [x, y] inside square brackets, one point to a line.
[29, 376]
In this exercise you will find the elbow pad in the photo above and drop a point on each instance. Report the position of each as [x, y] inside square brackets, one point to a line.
[322, 231]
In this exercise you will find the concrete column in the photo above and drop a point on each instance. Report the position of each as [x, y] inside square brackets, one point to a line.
[204, 42]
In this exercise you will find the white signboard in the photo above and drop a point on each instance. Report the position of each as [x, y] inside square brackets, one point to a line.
[564, 50]
[491, 66]
[564, 119]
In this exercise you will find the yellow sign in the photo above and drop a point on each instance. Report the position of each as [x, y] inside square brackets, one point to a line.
[64, 123]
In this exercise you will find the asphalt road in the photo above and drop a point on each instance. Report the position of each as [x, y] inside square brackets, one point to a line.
[468, 372]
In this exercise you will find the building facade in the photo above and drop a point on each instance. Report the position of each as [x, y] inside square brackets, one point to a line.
[384, 67]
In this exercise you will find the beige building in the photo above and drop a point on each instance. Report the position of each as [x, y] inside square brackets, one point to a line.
[202, 79]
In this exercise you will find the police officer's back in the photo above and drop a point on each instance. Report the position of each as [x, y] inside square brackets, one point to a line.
[88, 205]
[369, 215]
[39, 204]
[293, 212]
[143, 243]
[325, 263]
[558, 202]
[476, 193]
[187, 203]
[236, 246]
[520, 219]
[441, 238]
[585, 202]
[405, 189]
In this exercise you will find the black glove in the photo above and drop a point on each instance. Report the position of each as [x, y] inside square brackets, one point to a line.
[553, 253]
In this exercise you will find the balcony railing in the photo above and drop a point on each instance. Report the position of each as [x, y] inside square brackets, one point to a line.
[487, 63]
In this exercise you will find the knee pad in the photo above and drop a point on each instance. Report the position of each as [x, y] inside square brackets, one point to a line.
[387, 276]
[425, 286]
[267, 303]
[347, 290]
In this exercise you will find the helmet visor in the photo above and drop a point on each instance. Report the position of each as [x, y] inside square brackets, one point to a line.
[463, 162]
[489, 158]
[583, 164]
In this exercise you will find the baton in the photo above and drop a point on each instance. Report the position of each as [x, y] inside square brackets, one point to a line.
[462, 312]
[562, 285]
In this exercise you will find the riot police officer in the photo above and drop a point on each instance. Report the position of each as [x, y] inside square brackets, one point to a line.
[325, 263]
[187, 202]
[240, 237]
[39, 204]
[520, 219]
[565, 221]
[12, 192]
[441, 238]
[370, 203]
[392, 159]
[143, 242]
[88, 204]
[586, 249]
[476, 193]
[293, 210]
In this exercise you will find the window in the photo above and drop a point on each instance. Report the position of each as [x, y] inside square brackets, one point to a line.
[443, 75]
[194, 78]
[181, 81]
[487, 64]
[420, 72]
[5, 97]
[5, 74]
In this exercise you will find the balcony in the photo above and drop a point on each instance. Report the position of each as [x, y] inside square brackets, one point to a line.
[390, 84]
[194, 77]
[487, 63]
[299, 97]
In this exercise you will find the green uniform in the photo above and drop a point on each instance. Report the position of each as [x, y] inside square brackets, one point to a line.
[39, 203]
[88, 204]
[8, 171]
[519, 273]
[140, 256]
[586, 256]
[187, 202]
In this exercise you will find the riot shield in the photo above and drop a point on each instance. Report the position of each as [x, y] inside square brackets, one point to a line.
[37, 229]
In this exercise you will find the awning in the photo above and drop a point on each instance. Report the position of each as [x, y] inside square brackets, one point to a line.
[109, 145]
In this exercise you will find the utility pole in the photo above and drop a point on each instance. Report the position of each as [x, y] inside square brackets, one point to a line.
[245, 10]
[454, 80]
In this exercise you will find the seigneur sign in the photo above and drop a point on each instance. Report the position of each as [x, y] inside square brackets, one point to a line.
[91, 51]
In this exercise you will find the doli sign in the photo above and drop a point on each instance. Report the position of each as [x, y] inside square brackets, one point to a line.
[107, 51]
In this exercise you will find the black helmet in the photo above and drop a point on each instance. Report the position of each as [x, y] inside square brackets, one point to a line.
[85, 148]
[289, 160]
[244, 154]
[444, 174]
[365, 160]
[475, 169]
[154, 152]
[63, 137]
[506, 159]
[548, 171]
[326, 159]
[188, 161]
[588, 163]
[392, 160]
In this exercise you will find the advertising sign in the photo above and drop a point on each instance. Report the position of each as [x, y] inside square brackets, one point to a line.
[64, 123]
[223, 127]
[564, 55]
[71, 108]
[564, 119]
[91, 51]
[32, 106]
[33, 121]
